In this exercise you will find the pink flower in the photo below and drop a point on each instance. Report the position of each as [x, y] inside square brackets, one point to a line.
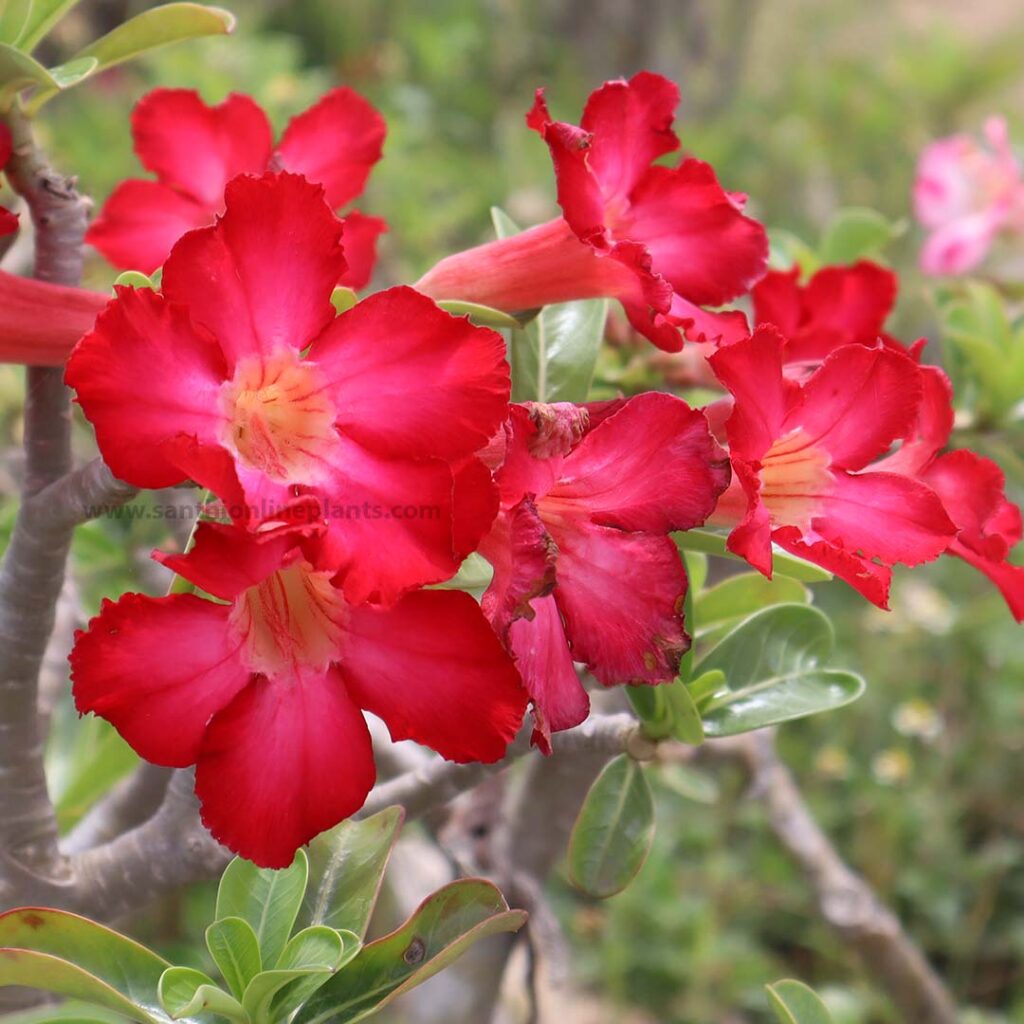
[583, 567]
[8, 220]
[965, 195]
[239, 376]
[662, 240]
[264, 689]
[195, 150]
[802, 457]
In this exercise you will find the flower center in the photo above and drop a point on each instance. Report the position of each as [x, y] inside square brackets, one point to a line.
[292, 620]
[280, 416]
[794, 475]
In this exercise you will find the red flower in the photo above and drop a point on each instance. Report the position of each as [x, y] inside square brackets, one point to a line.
[265, 693]
[837, 306]
[583, 569]
[195, 150]
[239, 376]
[972, 490]
[8, 220]
[802, 454]
[662, 240]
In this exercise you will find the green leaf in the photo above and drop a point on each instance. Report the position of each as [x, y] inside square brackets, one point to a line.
[185, 992]
[20, 71]
[772, 665]
[159, 26]
[686, 721]
[795, 1003]
[346, 867]
[857, 232]
[268, 900]
[485, 316]
[343, 299]
[75, 957]
[554, 355]
[445, 926]
[308, 960]
[739, 596]
[475, 573]
[787, 249]
[614, 831]
[45, 14]
[14, 17]
[689, 782]
[134, 279]
[783, 564]
[236, 952]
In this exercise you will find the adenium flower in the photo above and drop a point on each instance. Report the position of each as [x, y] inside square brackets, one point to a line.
[583, 567]
[238, 375]
[8, 220]
[802, 457]
[264, 689]
[195, 150]
[663, 241]
[838, 305]
[971, 488]
[965, 194]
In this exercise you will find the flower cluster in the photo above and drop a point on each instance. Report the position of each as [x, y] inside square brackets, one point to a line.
[364, 456]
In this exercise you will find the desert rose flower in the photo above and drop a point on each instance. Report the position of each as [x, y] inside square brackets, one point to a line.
[965, 194]
[8, 220]
[971, 488]
[264, 688]
[195, 150]
[583, 567]
[663, 241]
[238, 375]
[802, 457]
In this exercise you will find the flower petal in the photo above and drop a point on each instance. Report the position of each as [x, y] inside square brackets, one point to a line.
[287, 759]
[858, 402]
[390, 524]
[359, 240]
[144, 375]
[157, 669]
[622, 598]
[262, 277]
[652, 466]
[698, 237]
[542, 656]
[631, 124]
[411, 380]
[141, 221]
[335, 144]
[432, 668]
[198, 148]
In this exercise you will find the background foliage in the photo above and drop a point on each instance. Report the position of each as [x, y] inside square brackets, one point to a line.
[808, 107]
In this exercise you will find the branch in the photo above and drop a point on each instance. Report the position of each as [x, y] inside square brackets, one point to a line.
[32, 573]
[438, 782]
[845, 901]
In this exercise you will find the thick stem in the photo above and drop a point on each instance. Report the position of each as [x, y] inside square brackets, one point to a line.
[32, 573]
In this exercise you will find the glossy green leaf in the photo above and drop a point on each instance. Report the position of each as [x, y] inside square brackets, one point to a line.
[70, 1011]
[268, 900]
[772, 663]
[689, 782]
[484, 316]
[855, 233]
[310, 958]
[14, 18]
[686, 721]
[133, 279]
[554, 355]
[346, 867]
[75, 957]
[159, 26]
[20, 71]
[444, 927]
[185, 992]
[784, 564]
[795, 1003]
[343, 299]
[236, 952]
[614, 831]
[724, 604]
[45, 14]
[475, 574]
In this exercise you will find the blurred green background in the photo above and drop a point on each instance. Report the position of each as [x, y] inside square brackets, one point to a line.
[807, 106]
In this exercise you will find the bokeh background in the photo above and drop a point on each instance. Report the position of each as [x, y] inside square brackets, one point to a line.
[807, 105]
